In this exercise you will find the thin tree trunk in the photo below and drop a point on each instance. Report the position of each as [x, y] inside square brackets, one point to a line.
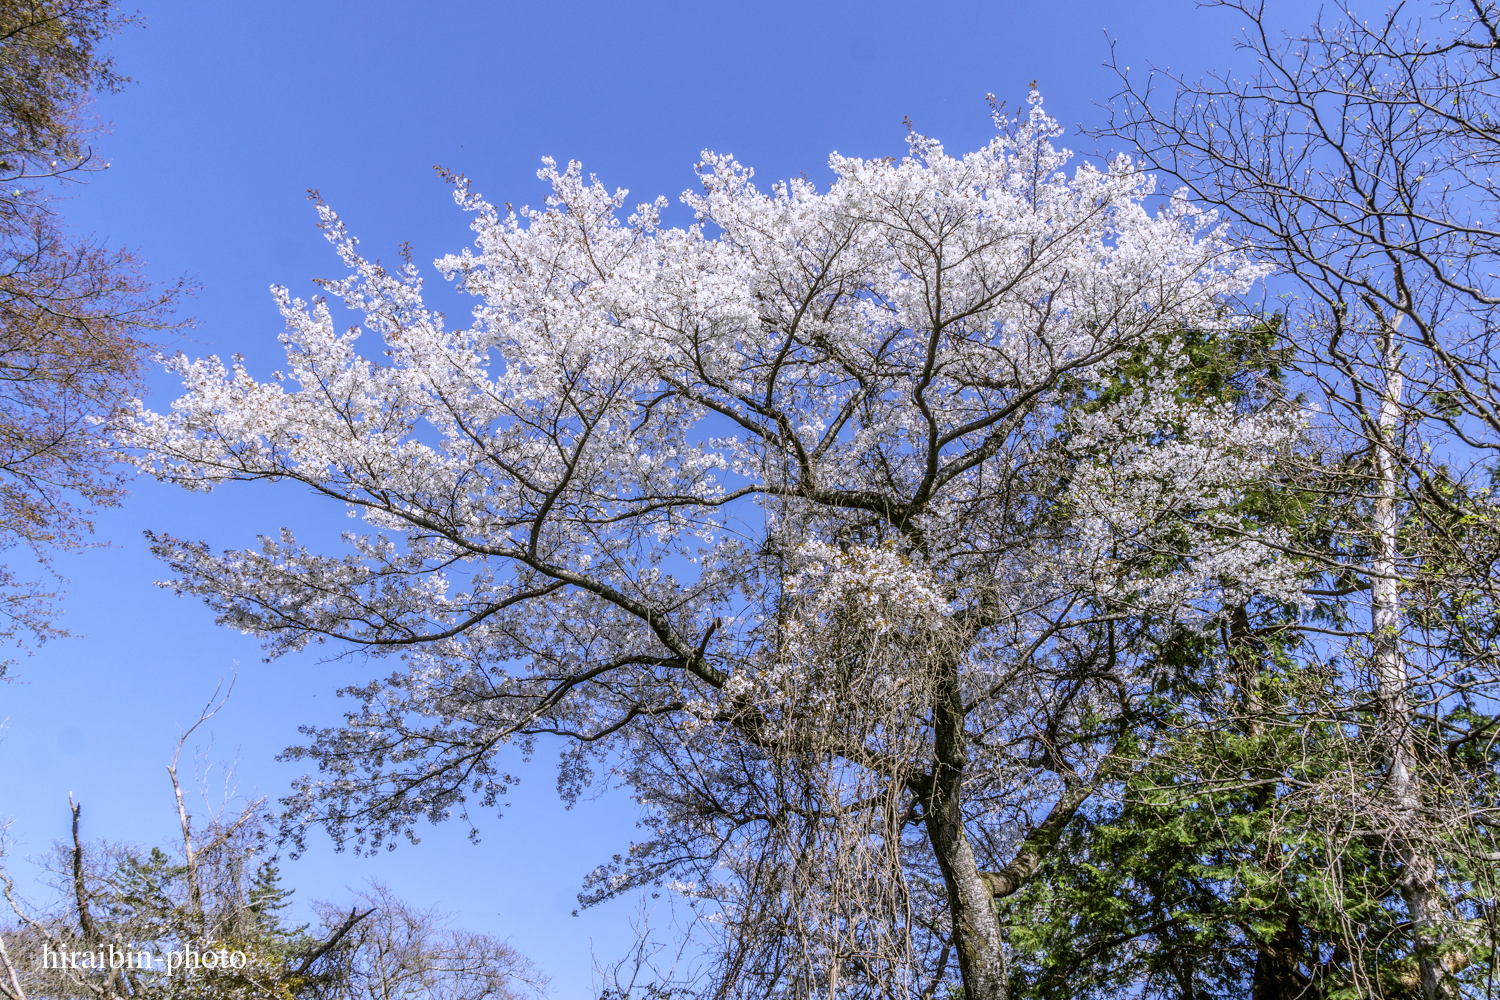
[1419, 881]
[976, 924]
[1277, 974]
[189, 855]
[88, 929]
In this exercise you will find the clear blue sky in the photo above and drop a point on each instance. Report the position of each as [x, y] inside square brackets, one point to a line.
[239, 107]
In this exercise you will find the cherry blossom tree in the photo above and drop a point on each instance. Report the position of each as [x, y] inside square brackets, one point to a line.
[820, 522]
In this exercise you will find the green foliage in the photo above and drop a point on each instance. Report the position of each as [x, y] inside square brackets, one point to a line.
[1245, 847]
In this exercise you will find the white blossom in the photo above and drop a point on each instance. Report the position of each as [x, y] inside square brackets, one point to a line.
[690, 495]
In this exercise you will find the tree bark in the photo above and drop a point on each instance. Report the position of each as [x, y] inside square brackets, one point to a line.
[1278, 962]
[977, 940]
[1277, 974]
[1419, 880]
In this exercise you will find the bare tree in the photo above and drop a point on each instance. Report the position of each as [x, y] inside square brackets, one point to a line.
[72, 311]
[134, 924]
[402, 953]
[1357, 158]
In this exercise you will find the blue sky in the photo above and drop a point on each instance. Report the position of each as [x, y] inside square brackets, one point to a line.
[240, 107]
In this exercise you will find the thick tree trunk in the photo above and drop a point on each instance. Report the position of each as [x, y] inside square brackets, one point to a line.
[1278, 975]
[976, 925]
[1419, 881]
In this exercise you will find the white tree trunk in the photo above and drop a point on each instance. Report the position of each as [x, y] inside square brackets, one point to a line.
[1418, 887]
